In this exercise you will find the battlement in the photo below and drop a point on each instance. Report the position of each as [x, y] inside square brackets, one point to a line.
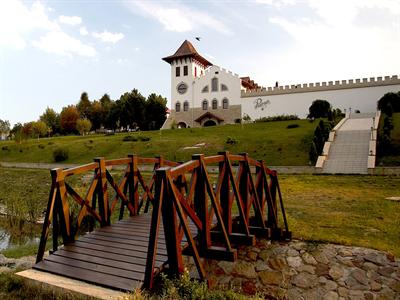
[221, 70]
[324, 86]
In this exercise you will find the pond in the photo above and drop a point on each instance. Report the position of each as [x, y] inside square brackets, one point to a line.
[13, 236]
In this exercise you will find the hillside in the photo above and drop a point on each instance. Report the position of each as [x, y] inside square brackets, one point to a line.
[271, 141]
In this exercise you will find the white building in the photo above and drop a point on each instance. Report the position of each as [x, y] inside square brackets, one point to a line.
[203, 94]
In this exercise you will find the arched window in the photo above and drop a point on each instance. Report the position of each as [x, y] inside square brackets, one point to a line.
[214, 104]
[205, 89]
[225, 103]
[224, 87]
[177, 107]
[214, 84]
[205, 104]
[185, 106]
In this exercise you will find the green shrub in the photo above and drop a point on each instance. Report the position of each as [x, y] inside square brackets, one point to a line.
[231, 141]
[278, 118]
[5, 148]
[290, 126]
[130, 138]
[60, 154]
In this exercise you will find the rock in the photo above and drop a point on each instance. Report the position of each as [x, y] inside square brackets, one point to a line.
[277, 263]
[343, 292]
[322, 279]
[271, 277]
[224, 282]
[378, 259]
[309, 259]
[294, 294]
[244, 269]
[395, 286]
[226, 266]
[252, 255]
[345, 252]
[375, 286]
[321, 257]
[265, 254]
[368, 296]
[386, 294]
[369, 266]
[330, 285]
[298, 245]
[307, 268]
[331, 295]
[261, 266]
[311, 295]
[322, 269]
[294, 261]
[336, 272]
[304, 280]
[360, 276]
[3, 260]
[386, 271]
[4, 270]
[292, 252]
[249, 287]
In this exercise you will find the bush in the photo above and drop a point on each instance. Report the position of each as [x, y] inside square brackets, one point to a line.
[278, 118]
[231, 141]
[5, 148]
[290, 126]
[60, 154]
[130, 138]
[144, 138]
[41, 146]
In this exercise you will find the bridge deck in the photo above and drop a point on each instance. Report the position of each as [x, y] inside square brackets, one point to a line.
[113, 256]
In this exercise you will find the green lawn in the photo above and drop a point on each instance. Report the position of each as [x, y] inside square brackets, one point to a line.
[270, 141]
[349, 210]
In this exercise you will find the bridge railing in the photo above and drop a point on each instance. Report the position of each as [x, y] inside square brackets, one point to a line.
[132, 192]
[204, 216]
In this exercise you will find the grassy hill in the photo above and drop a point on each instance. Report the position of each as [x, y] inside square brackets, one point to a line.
[272, 141]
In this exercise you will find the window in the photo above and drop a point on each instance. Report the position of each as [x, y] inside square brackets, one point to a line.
[225, 103]
[178, 71]
[224, 87]
[195, 71]
[205, 104]
[185, 70]
[205, 89]
[214, 104]
[185, 106]
[177, 107]
[214, 85]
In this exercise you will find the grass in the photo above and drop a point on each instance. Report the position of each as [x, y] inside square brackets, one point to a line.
[392, 158]
[271, 141]
[349, 210]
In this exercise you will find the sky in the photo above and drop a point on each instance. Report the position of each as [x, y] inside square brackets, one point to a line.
[52, 51]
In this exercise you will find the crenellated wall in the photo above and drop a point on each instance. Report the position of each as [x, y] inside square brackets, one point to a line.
[356, 94]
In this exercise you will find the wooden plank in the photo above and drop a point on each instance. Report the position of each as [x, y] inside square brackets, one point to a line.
[142, 241]
[131, 238]
[142, 247]
[110, 281]
[96, 267]
[114, 250]
[99, 260]
[114, 256]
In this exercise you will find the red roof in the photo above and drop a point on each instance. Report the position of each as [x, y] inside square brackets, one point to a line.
[187, 50]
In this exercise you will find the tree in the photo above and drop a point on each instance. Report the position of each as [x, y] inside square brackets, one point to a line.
[132, 110]
[16, 133]
[27, 130]
[96, 114]
[389, 103]
[39, 129]
[52, 120]
[84, 106]
[4, 127]
[83, 126]
[319, 109]
[156, 106]
[68, 117]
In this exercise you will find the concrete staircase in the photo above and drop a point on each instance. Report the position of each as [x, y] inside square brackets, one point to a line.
[348, 153]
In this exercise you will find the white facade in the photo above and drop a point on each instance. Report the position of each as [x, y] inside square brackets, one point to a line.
[202, 90]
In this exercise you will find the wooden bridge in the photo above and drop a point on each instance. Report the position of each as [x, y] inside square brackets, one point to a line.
[121, 235]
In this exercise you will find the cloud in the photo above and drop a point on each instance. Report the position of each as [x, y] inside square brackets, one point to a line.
[277, 3]
[17, 20]
[58, 42]
[108, 37]
[70, 20]
[332, 38]
[83, 31]
[178, 18]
